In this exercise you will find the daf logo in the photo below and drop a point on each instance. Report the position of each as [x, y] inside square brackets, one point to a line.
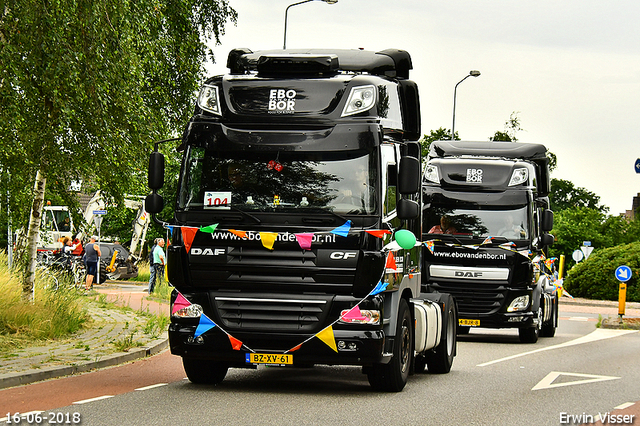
[341, 255]
[195, 251]
[468, 274]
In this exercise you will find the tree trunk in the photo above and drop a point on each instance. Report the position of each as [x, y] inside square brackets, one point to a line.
[32, 234]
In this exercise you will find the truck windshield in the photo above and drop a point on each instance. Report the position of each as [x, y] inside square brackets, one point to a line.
[283, 181]
[509, 223]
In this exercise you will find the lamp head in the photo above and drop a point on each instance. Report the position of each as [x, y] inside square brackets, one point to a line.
[474, 73]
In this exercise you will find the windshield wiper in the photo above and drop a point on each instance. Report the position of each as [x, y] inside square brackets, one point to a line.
[249, 215]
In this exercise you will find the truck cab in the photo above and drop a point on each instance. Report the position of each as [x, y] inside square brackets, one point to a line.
[299, 168]
[486, 222]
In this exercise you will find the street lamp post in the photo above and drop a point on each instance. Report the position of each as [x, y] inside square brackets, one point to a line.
[284, 44]
[472, 73]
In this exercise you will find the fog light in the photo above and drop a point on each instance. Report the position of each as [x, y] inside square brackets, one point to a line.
[192, 311]
[518, 304]
[341, 344]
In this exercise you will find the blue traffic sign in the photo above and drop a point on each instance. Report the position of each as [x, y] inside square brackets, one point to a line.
[637, 165]
[99, 212]
[623, 273]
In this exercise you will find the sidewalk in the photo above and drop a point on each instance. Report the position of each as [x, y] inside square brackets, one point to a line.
[116, 336]
[94, 347]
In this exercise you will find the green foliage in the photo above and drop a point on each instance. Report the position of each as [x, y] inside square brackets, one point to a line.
[565, 195]
[595, 278]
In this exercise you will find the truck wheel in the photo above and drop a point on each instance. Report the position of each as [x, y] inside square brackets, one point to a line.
[530, 334]
[439, 360]
[204, 372]
[393, 376]
[549, 328]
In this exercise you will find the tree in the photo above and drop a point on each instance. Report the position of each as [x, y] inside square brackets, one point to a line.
[511, 128]
[565, 195]
[86, 86]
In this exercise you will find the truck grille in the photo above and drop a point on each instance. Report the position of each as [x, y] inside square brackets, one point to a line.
[482, 298]
[278, 271]
[301, 313]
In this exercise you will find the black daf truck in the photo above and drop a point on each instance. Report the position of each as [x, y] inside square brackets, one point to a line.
[486, 226]
[306, 163]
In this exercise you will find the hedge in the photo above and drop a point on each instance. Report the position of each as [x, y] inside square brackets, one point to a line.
[594, 278]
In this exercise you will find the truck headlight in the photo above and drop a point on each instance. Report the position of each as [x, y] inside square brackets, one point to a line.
[369, 316]
[192, 311]
[520, 303]
[360, 99]
[209, 100]
[431, 174]
[519, 176]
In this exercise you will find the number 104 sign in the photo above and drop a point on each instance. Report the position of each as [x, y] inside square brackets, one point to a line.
[217, 200]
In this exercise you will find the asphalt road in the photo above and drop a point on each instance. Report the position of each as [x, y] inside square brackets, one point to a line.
[495, 380]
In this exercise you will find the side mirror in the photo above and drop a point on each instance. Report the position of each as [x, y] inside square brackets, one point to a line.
[547, 221]
[156, 171]
[407, 209]
[409, 175]
[546, 240]
[153, 203]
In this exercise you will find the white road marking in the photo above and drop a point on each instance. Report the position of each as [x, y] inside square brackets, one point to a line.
[151, 386]
[578, 319]
[547, 382]
[598, 334]
[93, 399]
[623, 406]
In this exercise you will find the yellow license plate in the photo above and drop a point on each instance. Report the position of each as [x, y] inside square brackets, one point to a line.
[469, 322]
[276, 359]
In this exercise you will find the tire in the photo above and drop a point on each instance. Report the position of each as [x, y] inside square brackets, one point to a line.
[440, 360]
[392, 377]
[203, 372]
[531, 334]
[102, 268]
[549, 328]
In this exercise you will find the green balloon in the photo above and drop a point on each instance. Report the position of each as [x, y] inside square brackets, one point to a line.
[405, 239]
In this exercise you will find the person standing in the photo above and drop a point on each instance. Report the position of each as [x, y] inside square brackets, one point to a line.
[156, 271]
[92, 253]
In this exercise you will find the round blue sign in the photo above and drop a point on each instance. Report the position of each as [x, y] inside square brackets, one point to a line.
[623, 273]
[637, 165]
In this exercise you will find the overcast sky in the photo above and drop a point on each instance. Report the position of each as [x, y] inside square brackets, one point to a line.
[570, 68]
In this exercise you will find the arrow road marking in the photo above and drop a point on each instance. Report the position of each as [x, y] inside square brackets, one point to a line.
[598, 334]
[547, 382]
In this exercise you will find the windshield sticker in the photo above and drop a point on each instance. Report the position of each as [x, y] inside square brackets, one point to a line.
[217, 200]
[282, 101]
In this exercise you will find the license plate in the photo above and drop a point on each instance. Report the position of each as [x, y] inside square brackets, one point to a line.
[274, 359]
[469, 322]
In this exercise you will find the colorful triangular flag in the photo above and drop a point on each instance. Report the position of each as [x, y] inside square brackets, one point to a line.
[304, 240]
[241, 234]
[328, 338]
[235, 343]
[430, 245]
[179, 303]
[391, 262]
[353, 314]
[342, 230]
[204, 325]
[268, 238]
[378, 232]
[188, 234]
[210, 229]
[380, 287]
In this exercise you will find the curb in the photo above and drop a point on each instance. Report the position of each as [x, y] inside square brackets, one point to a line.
[36, 375]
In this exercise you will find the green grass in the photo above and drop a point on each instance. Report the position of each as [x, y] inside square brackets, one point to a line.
[51, 314]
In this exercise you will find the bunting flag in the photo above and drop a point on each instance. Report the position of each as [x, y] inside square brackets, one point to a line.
[241, 234]
[328, 338]
[204, 325]
[180, 303]
[380, 287]
[235, 343]
[295, 348]
[353, 314]
[378, 233]
[268, 238]
[430, 245]
[210, 229]
[391, 262]
[487, 240]
[188, 234]
[170, 228]
[342, 230]
[304, 240]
